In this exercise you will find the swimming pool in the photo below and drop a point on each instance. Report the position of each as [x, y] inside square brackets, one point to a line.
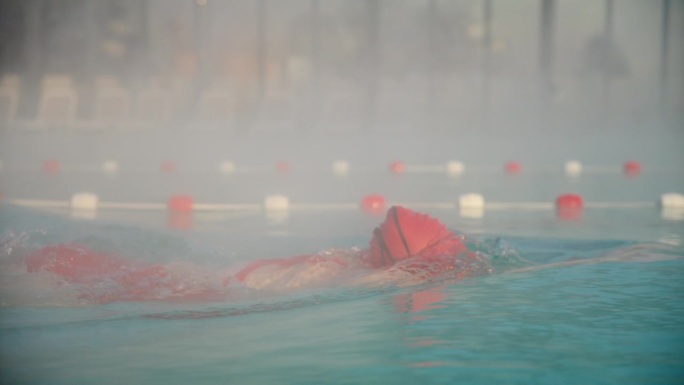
[621, 320]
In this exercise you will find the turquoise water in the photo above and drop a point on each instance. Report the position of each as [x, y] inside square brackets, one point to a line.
[599, 299]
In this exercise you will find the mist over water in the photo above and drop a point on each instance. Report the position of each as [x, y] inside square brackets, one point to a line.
[368, 81]
[167, 89]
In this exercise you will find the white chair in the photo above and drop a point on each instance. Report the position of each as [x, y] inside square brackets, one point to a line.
[112, 105]
[341, 110]
[276, 113]
[9, 102]
[153, 105]
[57, 105]
[216, 105]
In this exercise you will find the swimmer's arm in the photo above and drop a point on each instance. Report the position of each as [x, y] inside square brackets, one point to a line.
[383, 277]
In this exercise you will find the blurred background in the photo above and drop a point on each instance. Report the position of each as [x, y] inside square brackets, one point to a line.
[368, 80]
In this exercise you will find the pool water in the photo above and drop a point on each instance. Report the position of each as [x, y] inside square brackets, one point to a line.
[599, 300]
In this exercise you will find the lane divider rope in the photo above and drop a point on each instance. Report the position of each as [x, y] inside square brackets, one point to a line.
[38, 203]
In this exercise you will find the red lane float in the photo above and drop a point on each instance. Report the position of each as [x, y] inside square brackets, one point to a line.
[283, 166]
[168, 167]
[512, 167]
[51, 166]
[569, 206]
[180, 204]
[632, 168]
[397, 167]
[373, 204]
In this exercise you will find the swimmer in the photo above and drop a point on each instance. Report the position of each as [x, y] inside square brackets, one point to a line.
[407, 246]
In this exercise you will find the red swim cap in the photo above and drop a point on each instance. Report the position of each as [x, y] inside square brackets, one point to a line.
[405, 234]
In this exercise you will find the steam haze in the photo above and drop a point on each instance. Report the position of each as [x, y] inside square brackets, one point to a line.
[312, 81]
